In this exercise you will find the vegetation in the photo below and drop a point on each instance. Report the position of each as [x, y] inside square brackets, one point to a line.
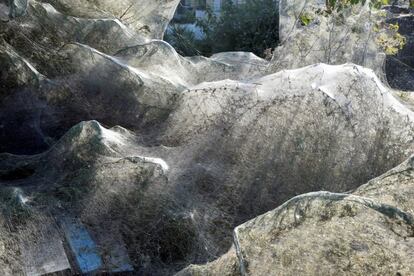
[252, 26]
[389, 39]
[184, 41]
[341, 4]
[387, 36]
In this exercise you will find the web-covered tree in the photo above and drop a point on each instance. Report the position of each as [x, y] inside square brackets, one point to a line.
[340, 4]
[386, 35]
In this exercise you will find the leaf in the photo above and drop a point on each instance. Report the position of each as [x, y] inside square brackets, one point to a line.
[305, 19]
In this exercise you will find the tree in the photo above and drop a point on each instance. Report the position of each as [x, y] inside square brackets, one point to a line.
[386, 34]
[183, 40]
[252, 26]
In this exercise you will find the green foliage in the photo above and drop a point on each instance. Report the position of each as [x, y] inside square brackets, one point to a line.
[404, 95]
[341, 4]
[386, 35]
[389, 39]
[186, 16]
[305, 19]
[252, 26]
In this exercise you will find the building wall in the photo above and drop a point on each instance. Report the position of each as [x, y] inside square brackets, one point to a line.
[215, 5]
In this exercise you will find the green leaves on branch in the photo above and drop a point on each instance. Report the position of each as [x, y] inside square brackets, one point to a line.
[389, 39]
[306, 19]
[339, 5]
[385, 35]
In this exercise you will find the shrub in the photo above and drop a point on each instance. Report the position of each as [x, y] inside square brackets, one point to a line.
[252, 27]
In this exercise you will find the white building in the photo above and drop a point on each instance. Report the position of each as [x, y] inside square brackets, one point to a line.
[215, 5]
